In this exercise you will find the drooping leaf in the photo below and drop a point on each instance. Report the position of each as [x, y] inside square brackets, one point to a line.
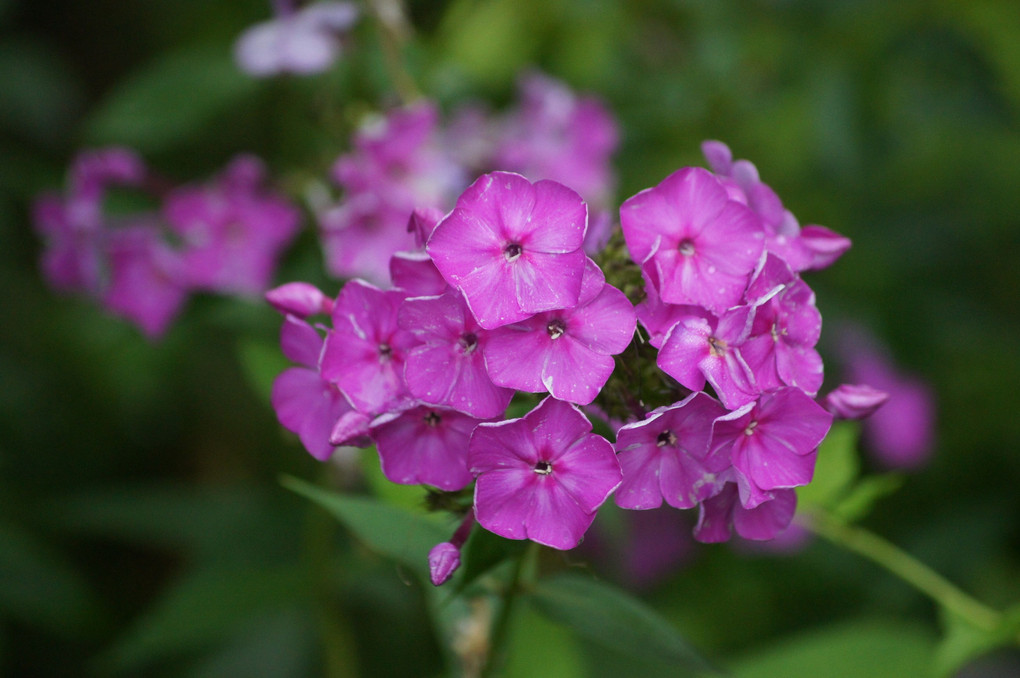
[609, 617]
[484, 551]
[535, 642]
[859, 501]
[388, 530]
[170, 99]
[205, 607]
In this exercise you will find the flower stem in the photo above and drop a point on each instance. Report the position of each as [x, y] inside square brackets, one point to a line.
[903, 565]
[522, 573]
[393, 29]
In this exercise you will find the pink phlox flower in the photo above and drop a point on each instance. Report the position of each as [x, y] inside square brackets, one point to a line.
[365, 350]
[665, 456]
[557, 135]
[415, 275]
[424, 445]
[302, 42]
[299, 299]
[658, 317]
[567, 352]
[233, 229]
[701, 245]
[854, 401]
[145, 279]
[447, 367]
[810, 248]
[305, 403]
[422, 222]
[699, 349]
[541, 477]
[772, 442]
[360, 234]
[600, 230]
[724, 512]
[444, 557]
[513, 248]
[781, 348]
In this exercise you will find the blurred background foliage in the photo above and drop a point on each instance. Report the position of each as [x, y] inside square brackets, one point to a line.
[143, 531]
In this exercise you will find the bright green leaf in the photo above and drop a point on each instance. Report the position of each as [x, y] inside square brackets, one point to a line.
[608, 616]
[964, 642]
[836, 468]
[171, 99]
[388, 530]
[860, 500]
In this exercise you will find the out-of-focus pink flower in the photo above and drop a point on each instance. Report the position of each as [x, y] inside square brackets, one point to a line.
[302, 42]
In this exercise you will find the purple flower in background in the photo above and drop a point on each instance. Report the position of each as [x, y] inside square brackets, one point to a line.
[718, 514]
[305, 403]
[396, 171]
[233, 230]
[772, 443]
[145, 281]
[364, 352]
[424, 445]
[513, 248]
[567, 352]
[901, 433]
[447, 367]
[556, 135]
[542, 477]
[664, 456]
[701, 245]
[301, 41]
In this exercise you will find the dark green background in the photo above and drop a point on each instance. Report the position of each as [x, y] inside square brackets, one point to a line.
[142, 528]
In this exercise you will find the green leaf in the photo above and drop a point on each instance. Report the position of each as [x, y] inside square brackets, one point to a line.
[964, 642]
[484, 551]
[610, 617]
[837, 466]
[388, 530]
[261, 364]
[865, 494]
[39, 588]
[534, 642]
[170, 99]
[206, 607]
[872, 648]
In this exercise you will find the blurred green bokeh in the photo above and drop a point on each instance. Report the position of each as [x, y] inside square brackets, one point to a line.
[143, 531]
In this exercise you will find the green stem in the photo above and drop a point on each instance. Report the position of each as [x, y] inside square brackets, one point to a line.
[904, 566]
[393, 30]
[523, 572]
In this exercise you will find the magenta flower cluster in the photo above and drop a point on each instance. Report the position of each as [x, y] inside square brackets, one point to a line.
[501, 298]
[409, 159]
[142, 264]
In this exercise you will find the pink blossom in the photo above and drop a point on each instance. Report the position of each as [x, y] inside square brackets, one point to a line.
[424, 445]
[512, 248]
[447, 366]
[364, 352]
[701, 245]
[665, 456]
[304, 402]
[718, 514]
[542, 477]
[302, 42]
[772, 442]
[567, 352]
